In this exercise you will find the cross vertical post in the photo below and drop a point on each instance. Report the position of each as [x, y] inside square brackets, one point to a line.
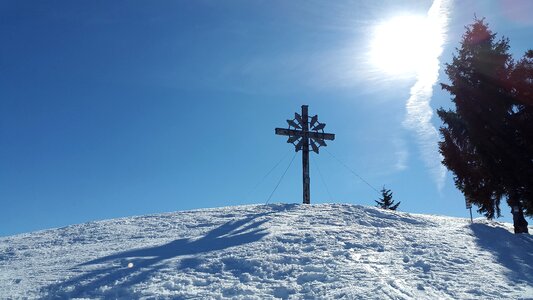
[305, 132]
[305, 156]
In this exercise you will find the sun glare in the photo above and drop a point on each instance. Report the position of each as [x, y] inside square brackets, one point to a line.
[404, 44]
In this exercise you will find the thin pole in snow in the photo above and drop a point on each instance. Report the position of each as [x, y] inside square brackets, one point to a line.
[468, 203]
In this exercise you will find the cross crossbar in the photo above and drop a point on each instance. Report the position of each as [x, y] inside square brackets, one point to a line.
[310, 134]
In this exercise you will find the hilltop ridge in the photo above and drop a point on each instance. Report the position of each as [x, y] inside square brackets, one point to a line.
[271, 251]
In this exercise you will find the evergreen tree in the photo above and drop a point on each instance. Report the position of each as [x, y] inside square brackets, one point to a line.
[522, 121]
[481, 137]
[386, 201]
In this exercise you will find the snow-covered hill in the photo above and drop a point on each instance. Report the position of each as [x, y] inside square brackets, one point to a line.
[274, 251]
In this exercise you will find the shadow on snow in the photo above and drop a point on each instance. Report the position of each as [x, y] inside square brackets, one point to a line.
[515, 252]
[115, 278]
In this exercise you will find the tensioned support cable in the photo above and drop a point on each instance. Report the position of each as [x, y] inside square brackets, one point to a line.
[267, 174]
[323, 181]
[352, 171]
[283, 175]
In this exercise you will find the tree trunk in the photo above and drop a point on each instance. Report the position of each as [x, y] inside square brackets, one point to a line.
[519, 222]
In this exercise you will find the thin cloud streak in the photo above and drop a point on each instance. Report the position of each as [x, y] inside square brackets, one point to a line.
[419, 112]
[401, 155]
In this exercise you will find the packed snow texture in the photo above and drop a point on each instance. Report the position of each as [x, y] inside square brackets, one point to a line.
[288, 251]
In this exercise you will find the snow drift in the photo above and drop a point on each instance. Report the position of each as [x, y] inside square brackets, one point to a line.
[271, 251]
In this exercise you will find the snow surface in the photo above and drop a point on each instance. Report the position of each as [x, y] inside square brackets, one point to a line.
[325, 251]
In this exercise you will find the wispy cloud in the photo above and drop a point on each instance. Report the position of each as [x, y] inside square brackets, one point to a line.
[419, 112]
[401, 155]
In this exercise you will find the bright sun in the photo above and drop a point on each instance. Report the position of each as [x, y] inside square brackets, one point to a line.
[404, 44]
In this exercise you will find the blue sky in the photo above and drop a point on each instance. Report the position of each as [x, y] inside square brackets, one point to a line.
[119, 108]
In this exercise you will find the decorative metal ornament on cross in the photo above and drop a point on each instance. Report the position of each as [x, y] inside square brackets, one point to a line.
[303, 133]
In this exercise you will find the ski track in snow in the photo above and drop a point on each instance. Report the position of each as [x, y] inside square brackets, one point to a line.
[287, 251]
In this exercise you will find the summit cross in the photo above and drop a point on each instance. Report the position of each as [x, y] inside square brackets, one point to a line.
[303, 133]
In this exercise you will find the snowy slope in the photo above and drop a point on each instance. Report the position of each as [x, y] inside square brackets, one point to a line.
[274, 251]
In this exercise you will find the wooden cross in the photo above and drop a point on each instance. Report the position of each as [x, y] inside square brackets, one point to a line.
[303, 132]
